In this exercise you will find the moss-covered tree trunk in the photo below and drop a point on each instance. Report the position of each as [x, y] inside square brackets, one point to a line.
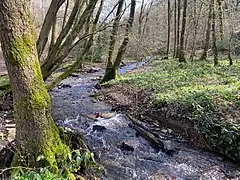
[36, 133]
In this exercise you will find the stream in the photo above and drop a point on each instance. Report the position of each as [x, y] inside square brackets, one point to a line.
[109, 137]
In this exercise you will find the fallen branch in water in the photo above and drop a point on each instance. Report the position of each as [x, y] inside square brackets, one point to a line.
[146, 133]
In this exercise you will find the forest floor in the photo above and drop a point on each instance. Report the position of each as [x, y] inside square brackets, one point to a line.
[196, 100]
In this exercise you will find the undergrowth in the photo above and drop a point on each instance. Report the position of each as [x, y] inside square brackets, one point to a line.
[209, 96]
[70, 170]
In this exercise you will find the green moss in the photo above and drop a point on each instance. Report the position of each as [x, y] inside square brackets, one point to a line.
[111, 74]
[20, 48]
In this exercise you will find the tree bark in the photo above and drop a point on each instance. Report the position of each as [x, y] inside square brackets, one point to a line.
[65, 14]
[221, 18]
[230, 50]
[196, 22]
[214, 46]
[181, 48]
[208, 32]
[178, 27]
[36, 133]
[169, 28]
[175, 28]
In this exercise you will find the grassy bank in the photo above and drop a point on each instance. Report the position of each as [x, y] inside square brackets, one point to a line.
[207, 96]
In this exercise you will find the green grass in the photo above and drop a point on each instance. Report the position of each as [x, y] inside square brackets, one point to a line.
[210, 95]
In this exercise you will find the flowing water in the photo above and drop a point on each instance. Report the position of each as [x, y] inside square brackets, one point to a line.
[107, 138]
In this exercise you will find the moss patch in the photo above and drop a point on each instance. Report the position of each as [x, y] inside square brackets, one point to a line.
[20, 49]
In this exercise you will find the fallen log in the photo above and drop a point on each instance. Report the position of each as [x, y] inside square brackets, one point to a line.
[153, 138]
[146, 133]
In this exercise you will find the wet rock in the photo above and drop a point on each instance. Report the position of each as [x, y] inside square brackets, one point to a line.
[120, 108]
[75, 75]
[98, 86]
[168, 148]
[98, 128]
[94, 101]
[137, 134]
[97, 115]
[126, 147]
[164, 131]
[93, 93]
[61, 86]
[93, 70]
[169, 131]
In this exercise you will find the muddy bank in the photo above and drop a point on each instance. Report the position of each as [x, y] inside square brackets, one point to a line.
[137, 103]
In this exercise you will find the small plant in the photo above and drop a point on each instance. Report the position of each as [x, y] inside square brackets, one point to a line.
[76, 162]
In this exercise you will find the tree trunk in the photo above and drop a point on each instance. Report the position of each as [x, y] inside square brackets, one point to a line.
[230, 50]
[221, 18]
[36, 133]
[178, 27]
[108, 71]
[181, 48]
[140, 19]
[208, 32]
[65, 14]
[111, 72]
[196, 22]
[169, 28]
[175, 28]
[53, 33]
[214, 46]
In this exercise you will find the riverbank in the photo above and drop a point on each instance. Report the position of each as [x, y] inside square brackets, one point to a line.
[198, 101]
